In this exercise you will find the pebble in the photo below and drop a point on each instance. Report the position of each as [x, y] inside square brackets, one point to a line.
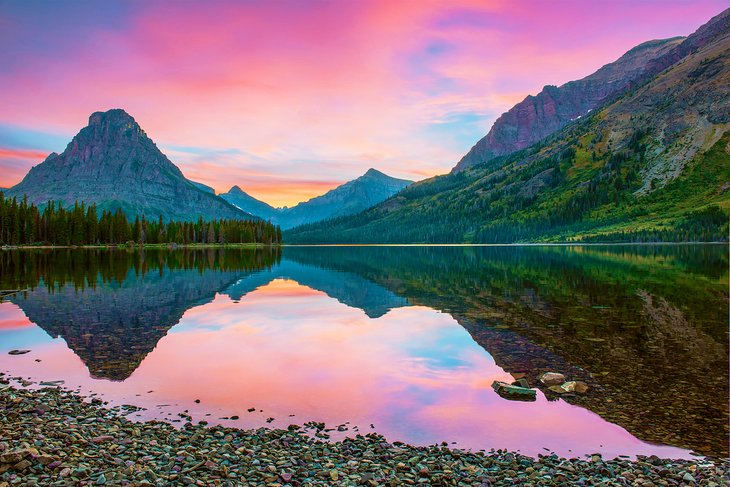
[81, 443]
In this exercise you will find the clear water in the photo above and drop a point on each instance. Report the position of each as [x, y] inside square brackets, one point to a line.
[403, 341]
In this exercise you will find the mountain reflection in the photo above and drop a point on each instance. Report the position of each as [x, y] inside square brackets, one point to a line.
[644, 326]
[112, 307]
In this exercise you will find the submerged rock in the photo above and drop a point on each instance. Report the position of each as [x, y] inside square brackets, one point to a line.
[513, 392]
[18, 352]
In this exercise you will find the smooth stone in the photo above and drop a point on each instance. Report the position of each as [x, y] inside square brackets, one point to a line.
[575, 386]
[521, 383]
[552, 378]
[557, 389]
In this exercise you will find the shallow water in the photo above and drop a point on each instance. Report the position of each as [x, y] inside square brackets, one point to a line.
[406, 339]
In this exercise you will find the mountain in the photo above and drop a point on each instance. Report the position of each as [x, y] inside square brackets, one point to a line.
[649, 165]
[113, 163]
[240, 199]
[350, 198]
[536, 117]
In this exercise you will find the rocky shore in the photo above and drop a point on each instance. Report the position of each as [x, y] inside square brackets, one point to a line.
[54, 437]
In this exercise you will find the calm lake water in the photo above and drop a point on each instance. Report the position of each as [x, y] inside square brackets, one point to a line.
[403, 341]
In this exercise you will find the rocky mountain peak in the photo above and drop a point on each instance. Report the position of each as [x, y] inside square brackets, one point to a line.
[111, 127]
[374, 173]
[113, 163]
[113, 116]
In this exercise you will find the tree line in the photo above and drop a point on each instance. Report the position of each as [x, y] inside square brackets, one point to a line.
[87, 268]
[22, 223]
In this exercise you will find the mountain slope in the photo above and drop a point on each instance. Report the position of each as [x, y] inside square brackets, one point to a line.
[350, 198]
[240, 199]
[652, 164]
[536, 117]
[113, 163]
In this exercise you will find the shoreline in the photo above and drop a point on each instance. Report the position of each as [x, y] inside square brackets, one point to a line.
[169, 246]
[284, 244]
[53, 436]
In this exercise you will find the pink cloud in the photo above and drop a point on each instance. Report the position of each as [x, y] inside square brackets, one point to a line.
[308, 87]
[15, 163]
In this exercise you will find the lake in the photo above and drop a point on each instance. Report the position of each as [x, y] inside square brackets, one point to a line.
[402, 341]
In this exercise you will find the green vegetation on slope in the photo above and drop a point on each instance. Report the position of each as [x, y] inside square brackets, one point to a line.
[575, 194]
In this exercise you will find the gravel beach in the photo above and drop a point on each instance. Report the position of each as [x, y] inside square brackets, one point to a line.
[55, 437]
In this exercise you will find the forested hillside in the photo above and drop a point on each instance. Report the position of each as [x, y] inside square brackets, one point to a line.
[653, 165]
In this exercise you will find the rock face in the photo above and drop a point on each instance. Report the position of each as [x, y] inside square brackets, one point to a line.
[536, 117]
[113, 163]
[685, 109]
[357, 195]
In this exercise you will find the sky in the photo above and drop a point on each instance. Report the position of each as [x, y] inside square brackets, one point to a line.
[289, 99]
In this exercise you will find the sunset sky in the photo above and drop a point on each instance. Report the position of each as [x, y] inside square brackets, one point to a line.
[288, 99]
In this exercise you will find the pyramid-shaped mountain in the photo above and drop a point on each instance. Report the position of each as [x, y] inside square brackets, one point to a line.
[244, 201]
[113, 163]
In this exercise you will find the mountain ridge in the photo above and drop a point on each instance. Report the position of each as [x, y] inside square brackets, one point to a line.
[538, 116]
[114, 164]
[666, 53]
[349, 198]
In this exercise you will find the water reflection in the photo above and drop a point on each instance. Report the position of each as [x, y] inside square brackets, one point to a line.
[645, 327]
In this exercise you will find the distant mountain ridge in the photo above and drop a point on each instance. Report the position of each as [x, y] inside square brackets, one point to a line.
[350, 198]
[113, 163]
[240, 199]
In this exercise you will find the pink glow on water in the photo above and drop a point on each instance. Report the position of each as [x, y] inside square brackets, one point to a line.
[13, 318]
[414, 373]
